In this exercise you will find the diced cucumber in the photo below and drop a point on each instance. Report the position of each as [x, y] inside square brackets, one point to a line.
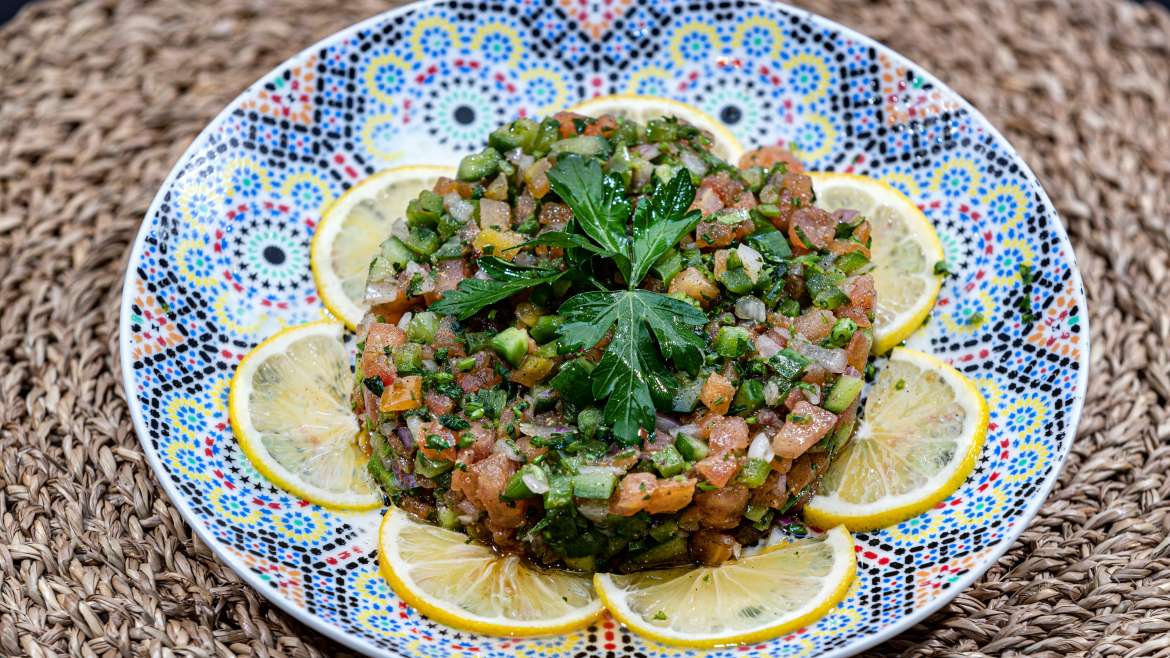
[589, 421]
[748, 397]
[425, 209]
[845, 390]
[516, 488]
[594, 484]
[732, 342]
[594, 146]
[545, 328]
[691, 448]
[422, 327]
[560, 492]
[512, 344]
[480, 165]
[668, 461]
[753, 473]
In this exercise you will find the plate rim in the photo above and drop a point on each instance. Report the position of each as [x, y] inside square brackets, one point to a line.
[360, 644]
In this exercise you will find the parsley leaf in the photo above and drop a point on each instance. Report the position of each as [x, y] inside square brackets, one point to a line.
[632, 372]
[660, 221]
[507, 279]
[598, 201]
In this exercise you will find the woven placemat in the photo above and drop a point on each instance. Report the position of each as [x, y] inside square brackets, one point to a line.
[99, 98]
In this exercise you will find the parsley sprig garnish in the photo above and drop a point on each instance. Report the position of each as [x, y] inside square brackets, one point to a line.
[648, 328]
[507, 279]
[632, 372]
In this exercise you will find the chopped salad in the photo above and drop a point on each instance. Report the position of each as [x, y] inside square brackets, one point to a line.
[605, 349]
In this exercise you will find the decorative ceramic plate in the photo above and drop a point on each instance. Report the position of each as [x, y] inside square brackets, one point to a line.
[222, 261]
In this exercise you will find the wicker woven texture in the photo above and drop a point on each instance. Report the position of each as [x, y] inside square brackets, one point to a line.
[99, 98]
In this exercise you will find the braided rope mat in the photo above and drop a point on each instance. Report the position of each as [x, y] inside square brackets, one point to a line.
[100, 97]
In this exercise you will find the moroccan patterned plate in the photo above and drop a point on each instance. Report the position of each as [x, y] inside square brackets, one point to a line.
[222, 261]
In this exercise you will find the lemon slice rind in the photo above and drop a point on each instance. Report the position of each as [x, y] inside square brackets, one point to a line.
[920, 233]
[331, 418]
[829, 508]
[737, 584]
[447, 559]
[332, 276]
[641, 108]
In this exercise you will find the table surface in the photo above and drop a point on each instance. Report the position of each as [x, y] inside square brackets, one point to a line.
[99, 98]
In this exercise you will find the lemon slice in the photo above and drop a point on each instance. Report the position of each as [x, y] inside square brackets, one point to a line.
[353, 227]
[468, 586]
[904, 251]
[289, 408]
[643, 108]
[924, 426]
[749, 600]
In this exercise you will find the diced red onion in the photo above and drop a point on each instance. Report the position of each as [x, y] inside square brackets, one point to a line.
[426, 282]
[689, 430]
[693, 162]
[844, 215]
[459, 207]
[399, 229]
[543, 431]
[518, 157]
[647, 151]
[404, 321]
[526, 258]
[664, 423]
[415, 426]
[382, 292]
[831, 359]
[771, 392]
[429, 365]
[761, 448]
[594, 510]
[752, 261]
[508, 450]
[536, 481]
[405, 436]
[766, 347]
[813, 395]
[750, 308]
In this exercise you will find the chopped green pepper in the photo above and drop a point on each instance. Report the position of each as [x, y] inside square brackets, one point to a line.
[732, 342]
[753, 473]
[668, 461]
[422, 327]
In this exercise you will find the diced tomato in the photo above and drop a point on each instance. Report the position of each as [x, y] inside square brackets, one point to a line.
[692, 283]
[769, 156]
[719, 468]
[434, 428]
[814, 324]
[717, 393]
[805, 426]
[670, 495]
[375, 362]
[632, 494]
[811, 226]
[448, 274]
[728, 433]
[722, 508]
[405, 393]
